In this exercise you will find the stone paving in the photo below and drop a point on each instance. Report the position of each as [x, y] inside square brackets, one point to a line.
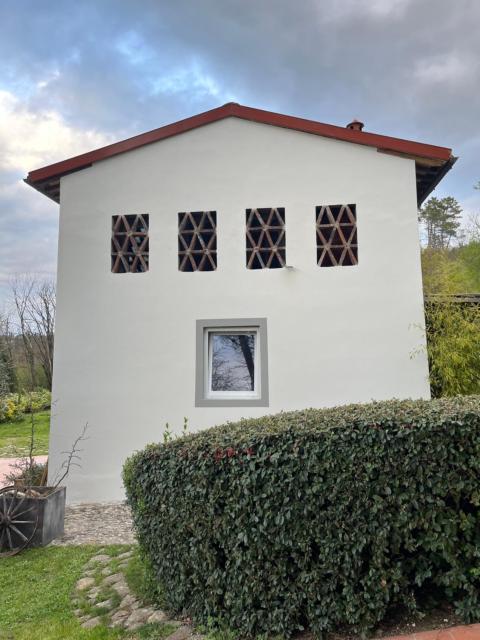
[102, 597]
[107, 523]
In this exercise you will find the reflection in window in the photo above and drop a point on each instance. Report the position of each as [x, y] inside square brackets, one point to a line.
[232, 361]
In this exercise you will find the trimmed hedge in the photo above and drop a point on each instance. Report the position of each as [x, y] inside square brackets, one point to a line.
[316, 518]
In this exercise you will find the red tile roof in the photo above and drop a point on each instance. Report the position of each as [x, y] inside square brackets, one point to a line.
[47, 178]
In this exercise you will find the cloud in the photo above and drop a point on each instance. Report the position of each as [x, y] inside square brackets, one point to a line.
[78, 74]
[351, 9]
[29, 222]
[30, 139]
[446, 69]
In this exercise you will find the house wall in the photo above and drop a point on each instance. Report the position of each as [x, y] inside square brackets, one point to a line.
[125, 343]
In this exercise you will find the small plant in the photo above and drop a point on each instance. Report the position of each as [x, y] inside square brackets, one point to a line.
[168, 434]
[28, 472]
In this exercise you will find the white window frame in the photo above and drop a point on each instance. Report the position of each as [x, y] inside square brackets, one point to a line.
[204, 397]
[208, 358]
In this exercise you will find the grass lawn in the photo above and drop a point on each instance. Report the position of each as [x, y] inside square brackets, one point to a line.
[15, 436]
[36, 597]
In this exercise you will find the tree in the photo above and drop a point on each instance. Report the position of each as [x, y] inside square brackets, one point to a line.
[441, 218]
[34, 307]
[7, 368]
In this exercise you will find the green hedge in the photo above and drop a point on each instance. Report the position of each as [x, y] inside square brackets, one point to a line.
[317, 518]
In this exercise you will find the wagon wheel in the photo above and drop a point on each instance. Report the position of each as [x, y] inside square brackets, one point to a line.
[18, 520]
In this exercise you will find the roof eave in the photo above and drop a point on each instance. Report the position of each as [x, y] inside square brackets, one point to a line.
[47, 179]
[423, 194]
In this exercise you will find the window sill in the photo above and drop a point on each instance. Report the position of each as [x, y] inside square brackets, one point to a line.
[232, 402]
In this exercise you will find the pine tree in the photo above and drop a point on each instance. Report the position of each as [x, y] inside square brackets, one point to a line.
[441, 218]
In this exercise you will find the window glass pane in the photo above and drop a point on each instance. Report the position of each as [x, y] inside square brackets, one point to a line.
[232, 361]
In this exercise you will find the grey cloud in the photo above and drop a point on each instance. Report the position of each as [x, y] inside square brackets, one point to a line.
[408, 68]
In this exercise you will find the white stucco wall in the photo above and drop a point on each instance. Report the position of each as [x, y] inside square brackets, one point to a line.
[125, 344]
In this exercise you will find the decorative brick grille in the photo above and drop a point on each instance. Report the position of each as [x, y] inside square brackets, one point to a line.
[337, 235]
[197, 241]
[130, 243]
[266, 238]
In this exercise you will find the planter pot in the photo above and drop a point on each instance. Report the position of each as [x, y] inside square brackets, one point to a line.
[30, 517]
[51, 515]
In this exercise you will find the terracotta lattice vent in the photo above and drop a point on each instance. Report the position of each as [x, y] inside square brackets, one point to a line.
[130, 243]
[266, 238]
[337, 235]
[197, 241]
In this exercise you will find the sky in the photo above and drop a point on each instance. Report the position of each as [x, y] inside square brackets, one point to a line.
[76, 75]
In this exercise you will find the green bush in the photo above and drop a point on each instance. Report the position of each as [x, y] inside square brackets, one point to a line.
[453, 346]
[14, 405]
[10, 410]
[317, 518]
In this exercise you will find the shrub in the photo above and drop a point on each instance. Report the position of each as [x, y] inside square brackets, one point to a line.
[10, 410]
[33, 401]
[318, 518]
[13, 405]
[453, 339]
[27, 473]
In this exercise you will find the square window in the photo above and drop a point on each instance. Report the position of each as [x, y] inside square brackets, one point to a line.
[129, 244]
[232, 367]
[336, 235]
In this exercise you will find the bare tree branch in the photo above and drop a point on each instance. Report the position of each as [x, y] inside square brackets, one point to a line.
[72, 456]
[34, 305]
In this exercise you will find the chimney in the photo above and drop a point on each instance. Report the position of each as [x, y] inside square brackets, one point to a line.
[355, 125]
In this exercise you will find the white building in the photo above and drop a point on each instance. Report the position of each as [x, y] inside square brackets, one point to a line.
[237, 263]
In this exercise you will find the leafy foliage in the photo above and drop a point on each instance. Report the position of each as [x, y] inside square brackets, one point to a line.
[444, 273]
[453, 346]
[6, 373]
[10, 410]
[468, 257]
[14, 405]
[441, 218]
[453, 323]
[318, 518]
